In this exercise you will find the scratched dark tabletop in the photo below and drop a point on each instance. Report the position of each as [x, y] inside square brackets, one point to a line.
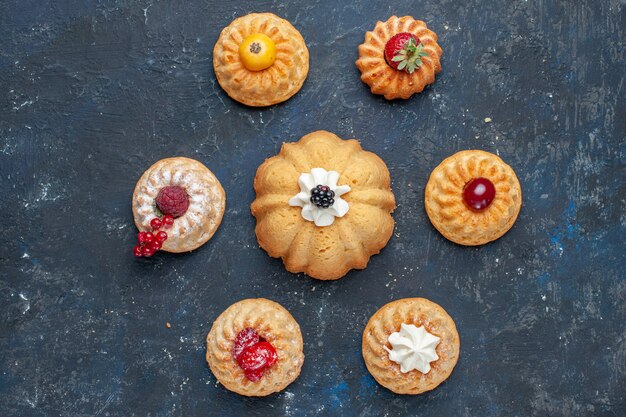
[94, 92]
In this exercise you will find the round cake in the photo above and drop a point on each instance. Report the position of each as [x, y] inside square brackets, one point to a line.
[185, 191]
[254, 348]
[399, 58]
[410, 345]
[473, 197]
[260, 59]
[323, 205]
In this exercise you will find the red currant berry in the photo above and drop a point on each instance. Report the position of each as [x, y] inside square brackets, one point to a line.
[479, 193]
[161, 236]
[155, 245]
[246, 338]
[257, 357]
[147, 251]
[137, 251]
[141, 237]
[168, 221]
[148, 237]
[155, 223]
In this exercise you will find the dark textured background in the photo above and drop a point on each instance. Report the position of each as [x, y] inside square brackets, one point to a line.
[93, 92]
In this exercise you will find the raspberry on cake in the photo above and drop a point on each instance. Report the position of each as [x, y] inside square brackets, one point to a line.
[172, 200]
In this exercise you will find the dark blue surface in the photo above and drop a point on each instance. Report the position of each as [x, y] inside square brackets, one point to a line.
[93, 92]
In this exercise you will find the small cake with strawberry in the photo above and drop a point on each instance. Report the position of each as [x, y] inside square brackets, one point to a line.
[473, 197]
[399, 58]
[178, 205]
[260, 59]
[254, 348]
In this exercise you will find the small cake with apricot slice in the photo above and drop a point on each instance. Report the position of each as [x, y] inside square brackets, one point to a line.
[178, 205]
[410, 345]
[323, 205]
[473, 197]
[260, 59]
[254, 348]
[399, 58]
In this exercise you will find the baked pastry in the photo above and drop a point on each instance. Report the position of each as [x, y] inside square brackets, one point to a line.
[323, 205]
[399, 58]
[410, 345]
[260, 59]
[473, 197]
[255, 348]
[181, 198]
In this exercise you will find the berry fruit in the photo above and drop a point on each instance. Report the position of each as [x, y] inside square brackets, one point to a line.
[322, 196]
[147, 251]
[404, 52]
[172, 200]
[148, 237]
[141, 237]
[155, 223]
[254, 376]
[168, 221]
[246, 338]
[253, 353]
[257, 357]
[161, 236]
[257, 52]
[479, 193]
[149, 243]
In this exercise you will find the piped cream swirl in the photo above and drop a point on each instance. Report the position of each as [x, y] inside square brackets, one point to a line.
[321, 216]
[413, 348]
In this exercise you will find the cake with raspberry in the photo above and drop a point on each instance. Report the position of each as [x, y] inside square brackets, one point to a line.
[178, 205]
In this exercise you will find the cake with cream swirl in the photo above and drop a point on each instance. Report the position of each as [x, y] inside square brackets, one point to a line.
[410, 345]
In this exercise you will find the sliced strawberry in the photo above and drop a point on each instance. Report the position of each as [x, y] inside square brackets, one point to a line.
[254, 376]
[257, 357]
[246, 338]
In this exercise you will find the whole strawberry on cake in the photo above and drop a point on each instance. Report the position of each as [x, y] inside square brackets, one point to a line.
[399, 58]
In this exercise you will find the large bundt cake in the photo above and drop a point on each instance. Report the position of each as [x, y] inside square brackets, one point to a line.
[323, 205]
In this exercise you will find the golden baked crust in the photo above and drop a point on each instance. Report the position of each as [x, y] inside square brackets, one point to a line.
[446, 208]
[388, 81]
[272, 85]
[273, 323]
[324, 252]
[387, 320]
[207, 201]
